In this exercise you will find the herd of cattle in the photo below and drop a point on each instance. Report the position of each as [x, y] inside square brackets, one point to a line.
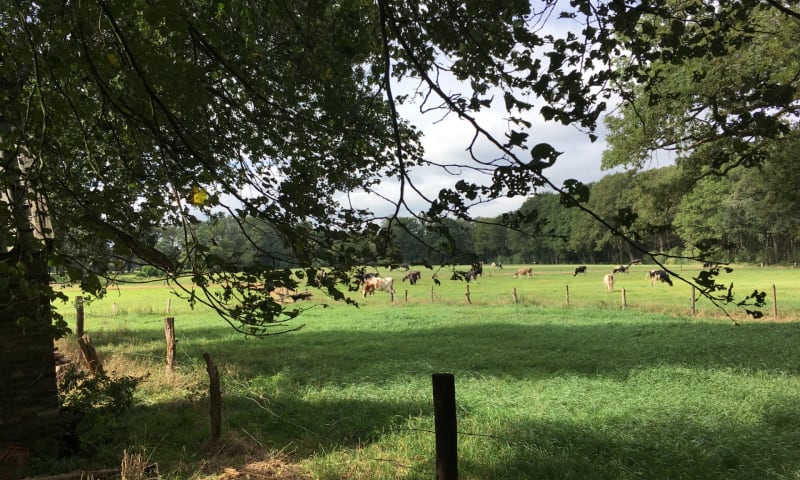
[372, 282]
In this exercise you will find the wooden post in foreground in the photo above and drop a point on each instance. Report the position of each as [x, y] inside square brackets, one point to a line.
[514, 295]
[567, 295]
[406, 295]
[215, 394]
[169, 332]
[467, 295]
[90, 355]
[694, 310]
[79, 316]
[431, 293]
[444, 407]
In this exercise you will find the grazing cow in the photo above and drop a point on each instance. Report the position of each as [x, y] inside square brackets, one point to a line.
[660, 276]
[363, 277]
[620, 269]
[412, 277]
[608, 280]
[581, 269]
[497, 265]
[286, 295]
[474, 272]
[528, 271]
[377, 283]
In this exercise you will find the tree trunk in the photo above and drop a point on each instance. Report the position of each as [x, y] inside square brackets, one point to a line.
[29, 415]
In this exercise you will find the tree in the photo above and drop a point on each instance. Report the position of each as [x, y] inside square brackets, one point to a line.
[141, 115]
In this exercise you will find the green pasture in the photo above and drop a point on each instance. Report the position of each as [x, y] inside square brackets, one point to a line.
[550, 286]
[544, 389]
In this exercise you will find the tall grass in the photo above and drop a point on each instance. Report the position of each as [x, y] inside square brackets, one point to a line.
[544, 390]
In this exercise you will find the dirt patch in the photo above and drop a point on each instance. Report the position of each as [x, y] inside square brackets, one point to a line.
[272, 469]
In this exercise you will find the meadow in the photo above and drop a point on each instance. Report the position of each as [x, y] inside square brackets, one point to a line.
[544, 389]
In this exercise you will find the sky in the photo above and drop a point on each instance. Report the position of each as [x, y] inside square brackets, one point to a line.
[446, 141]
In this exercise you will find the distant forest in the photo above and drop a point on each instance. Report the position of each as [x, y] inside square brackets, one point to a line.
[750, 215]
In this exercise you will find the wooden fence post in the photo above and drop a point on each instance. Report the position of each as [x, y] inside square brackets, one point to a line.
[169, 305]
[215, 394]
[774, 302]
[431, 293]
[169, 332]
[694, 298]
[406, 295]
[567, 295]
[79, 316]
[514, 295]
[444, 407]
[467, 295]
[624, 299]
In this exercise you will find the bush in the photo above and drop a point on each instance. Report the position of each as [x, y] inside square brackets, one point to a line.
[151, 271]
[89, 406]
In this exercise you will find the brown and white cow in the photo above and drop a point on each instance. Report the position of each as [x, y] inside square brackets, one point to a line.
[527, 271]
[385, 284]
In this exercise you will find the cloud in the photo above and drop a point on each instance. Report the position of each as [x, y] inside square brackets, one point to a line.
[446, 142]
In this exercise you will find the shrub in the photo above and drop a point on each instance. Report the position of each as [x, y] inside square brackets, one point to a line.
[90, 406]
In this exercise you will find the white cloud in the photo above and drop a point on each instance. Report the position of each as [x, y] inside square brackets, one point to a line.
[446, 141]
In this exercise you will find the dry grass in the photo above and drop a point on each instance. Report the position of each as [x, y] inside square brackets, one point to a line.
[242, 457]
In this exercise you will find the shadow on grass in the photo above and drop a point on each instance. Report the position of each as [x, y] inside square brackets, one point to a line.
[503, 349]
[280, 407]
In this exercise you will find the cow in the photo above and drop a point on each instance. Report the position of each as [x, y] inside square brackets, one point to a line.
[608, 280]
[581, 269]
[474, 272]
[385, 284]
[660, 276]
[528, 271]
[497, 265]
[412, 276]
[620, 269]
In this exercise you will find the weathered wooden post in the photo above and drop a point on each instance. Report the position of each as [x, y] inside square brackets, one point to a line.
[624, 299]
[215, 398]
[169, 305]
[514, 295]
[79, 316]
[431, 293]
[169, 332]
[406, 295]
[90, 355]
[444, 407]
[567, 295]
[467, 295]
[774, 302]
[694, 298]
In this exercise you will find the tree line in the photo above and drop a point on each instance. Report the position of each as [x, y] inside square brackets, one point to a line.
[746, 216]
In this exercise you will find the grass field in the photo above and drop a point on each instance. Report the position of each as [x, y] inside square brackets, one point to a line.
[544, 389]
